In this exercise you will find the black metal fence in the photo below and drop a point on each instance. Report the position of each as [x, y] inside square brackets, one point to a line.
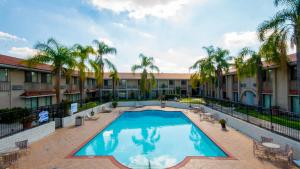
[276, 120]
[19, 119]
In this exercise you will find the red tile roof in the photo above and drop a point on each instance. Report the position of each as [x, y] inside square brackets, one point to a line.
[171, 76]
[17, 62]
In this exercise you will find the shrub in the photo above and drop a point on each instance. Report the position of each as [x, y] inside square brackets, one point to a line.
[114, 104]
[171, 96]
[222, 122]
[13, 115]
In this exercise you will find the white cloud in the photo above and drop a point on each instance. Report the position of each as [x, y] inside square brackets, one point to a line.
[135, 31]
[7, 36]
[237, 40]
[22, 51]
[140, 8]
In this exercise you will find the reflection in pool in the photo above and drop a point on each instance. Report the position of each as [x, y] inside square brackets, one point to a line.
[151, 137]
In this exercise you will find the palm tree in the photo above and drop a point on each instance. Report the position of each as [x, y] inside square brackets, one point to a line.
[59, 56]
[114, 75]
[99, 63]
[253, 66]
[82, 52]
[286, 25]
[221, 64]
[147, 68]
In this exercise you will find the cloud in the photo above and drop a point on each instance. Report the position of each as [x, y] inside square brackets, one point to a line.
[7, 36]
[22, 51]
[138, 9]
[238, 40]
[135, 31]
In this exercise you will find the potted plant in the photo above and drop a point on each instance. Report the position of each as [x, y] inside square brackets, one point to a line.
[114, 104]
[27, 121]
[223, 124]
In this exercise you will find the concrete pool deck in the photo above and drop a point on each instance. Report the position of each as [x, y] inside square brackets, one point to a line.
[53, 151]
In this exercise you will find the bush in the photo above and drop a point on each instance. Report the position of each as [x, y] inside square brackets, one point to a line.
[87, 106]
[171, 96]
[222, 122]
[13, 115]
[114, 104]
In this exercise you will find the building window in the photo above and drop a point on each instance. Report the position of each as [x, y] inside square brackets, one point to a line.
[235, 96]
[171, 82]
[46, 78]
[48, 100]
[31, 77]
[183, 82]
[293, 73]
[105, 82]
[31, 103]
[3, 75]
[295, 104]
[267, 75]
[75, 80]
[267, 101]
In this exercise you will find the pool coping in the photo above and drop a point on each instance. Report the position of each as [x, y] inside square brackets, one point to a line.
[71, 155]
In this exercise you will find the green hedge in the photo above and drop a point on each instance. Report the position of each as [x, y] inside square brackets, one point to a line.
[13, 115]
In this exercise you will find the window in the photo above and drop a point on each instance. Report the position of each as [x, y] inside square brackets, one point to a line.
[48, 100]
[31, 77]
[183, 82]
[46, 78]
[267, 101]
[31, 103]
[75, 81]
[293, 73]
[3, 75]
[266, 76]
[235, 96]
[171, 82]
[295, 104]
[105, 82]
[122, 83]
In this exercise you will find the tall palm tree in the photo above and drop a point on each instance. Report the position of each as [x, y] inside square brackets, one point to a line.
[82, 52]
[99, 63]
[253, 66]
[59, 56]
[220, 61]
[147, 68]
[114, 75]
[286, 24]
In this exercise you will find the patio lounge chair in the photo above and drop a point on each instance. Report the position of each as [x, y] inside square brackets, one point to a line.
[8, 159]
[258, 149]
[106, 110]
[92, 118]
[266, 139]
[23, 146]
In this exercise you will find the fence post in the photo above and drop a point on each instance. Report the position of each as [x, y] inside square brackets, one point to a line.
[271, 113]
[247, 113]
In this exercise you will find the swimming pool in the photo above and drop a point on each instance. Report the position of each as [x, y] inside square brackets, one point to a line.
[151, 137]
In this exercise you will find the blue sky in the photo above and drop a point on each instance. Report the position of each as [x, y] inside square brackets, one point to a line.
[171, 31]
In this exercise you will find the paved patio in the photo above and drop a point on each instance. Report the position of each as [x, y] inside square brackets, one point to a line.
[52, 151]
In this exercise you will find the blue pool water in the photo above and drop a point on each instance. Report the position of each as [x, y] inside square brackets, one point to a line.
[161, 139]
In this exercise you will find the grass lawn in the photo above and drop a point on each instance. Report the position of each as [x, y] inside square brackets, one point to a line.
[275, 119]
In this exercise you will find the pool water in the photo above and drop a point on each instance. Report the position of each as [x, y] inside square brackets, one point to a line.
[153, 138]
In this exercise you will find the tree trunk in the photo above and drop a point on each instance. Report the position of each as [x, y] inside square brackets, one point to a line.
[259, 83]
[81, 87]
[57, 85]
[113, 89]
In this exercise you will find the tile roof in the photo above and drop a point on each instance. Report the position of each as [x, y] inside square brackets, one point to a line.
[17, 62]
[37, 93]
[172, 76]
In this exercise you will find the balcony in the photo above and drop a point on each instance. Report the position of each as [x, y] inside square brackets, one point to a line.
[91, 87]
[38, 86]
[73, 88]
[235, 86]
[293, 87]
[132, 86]
[267, 87]
[4, 86]
[107, 87]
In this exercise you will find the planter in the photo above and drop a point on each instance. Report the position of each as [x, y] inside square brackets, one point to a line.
[223, 126]
[27, 125]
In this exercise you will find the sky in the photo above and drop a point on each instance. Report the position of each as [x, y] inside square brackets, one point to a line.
[173, 32]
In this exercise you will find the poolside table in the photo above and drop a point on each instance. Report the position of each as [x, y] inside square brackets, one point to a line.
[272, 148]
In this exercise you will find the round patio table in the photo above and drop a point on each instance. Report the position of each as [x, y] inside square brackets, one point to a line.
[271, 145]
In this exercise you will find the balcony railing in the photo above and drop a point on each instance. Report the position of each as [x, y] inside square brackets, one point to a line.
[4, 86]
[91, 87]
[132, 86]
[267, 87]
[72, 87]
[38, 86]
[107, 87]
